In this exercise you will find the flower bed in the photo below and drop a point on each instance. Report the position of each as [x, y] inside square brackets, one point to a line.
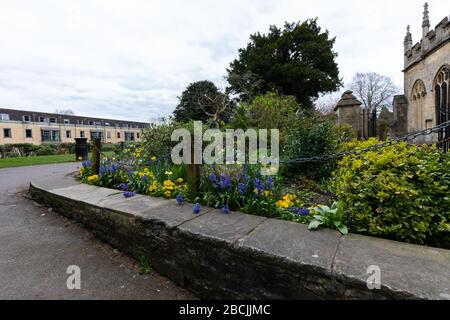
[398, 192]
[229, 188]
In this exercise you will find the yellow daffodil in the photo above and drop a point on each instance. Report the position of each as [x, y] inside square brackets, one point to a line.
[153, 158]
[180, 180]
[169, 173]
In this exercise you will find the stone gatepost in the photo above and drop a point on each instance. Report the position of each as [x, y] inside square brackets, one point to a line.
[348, 111]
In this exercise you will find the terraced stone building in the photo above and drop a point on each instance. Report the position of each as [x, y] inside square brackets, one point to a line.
[17, 126]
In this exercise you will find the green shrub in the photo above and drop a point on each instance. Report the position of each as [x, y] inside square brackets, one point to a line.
[46, 150]
[311, 138]
[399, 192]
[268, 111]
[156, 139]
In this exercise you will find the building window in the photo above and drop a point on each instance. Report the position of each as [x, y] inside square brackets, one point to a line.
[82, 134]
[26, 118]
[442, 99]
[118, 135]
[97, 135]
[52, 120]
[29, 133]
[4, 116]
[107, 124]
[91, 123]
[56, 137]
[108, 134]
[66, 121]
[41, 119]
[7, 133]
[50, 136]
[68, 134]
[138, 135]
[129, 136]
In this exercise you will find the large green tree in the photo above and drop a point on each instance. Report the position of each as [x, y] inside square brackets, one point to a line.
[203, 101]
[298, 60]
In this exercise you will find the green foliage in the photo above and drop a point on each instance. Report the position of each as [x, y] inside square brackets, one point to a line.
[47, 149]
[268, 111]
[144, 265]
[156, 139]
[399, 192]
[202, 101]
[332, 218]
[298, 60]
[17, 150]
[240, 188]
[311, 138]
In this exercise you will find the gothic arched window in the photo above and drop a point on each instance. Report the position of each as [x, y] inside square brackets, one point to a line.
[419, 91]
[442, 85]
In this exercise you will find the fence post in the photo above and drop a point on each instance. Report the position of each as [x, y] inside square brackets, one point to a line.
[193, 174]
[96, 149]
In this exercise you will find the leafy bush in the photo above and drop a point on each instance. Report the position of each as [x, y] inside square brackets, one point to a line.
[268, 111]
[46, 150]
[17, 150]
[66, 148]
[399, 192]
[156, 139]
[311, 138]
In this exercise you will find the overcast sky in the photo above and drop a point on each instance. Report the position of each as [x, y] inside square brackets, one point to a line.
[131, 59]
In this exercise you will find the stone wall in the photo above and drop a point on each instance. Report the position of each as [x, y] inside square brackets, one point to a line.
[238, 256]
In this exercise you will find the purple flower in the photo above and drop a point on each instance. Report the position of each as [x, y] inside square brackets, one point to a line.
[226, 209]
[213, 179]
[225, 182]
[269, 183]
[130, 174]
[128, 194]
[197, 208]
[242, 188]
[124, 186]
[114, 168]
[303, 212]
[259, 185]
[86, 164]
[179, 198]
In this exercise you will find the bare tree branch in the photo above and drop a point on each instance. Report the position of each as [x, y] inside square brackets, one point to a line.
[374, 90]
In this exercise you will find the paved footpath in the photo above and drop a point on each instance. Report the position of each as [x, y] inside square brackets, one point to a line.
[37, 246]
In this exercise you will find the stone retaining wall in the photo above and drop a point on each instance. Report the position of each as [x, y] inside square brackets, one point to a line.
[238, 256]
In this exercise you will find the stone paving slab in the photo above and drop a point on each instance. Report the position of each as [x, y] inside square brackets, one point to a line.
[85, 193]
[171, 214]
[222, 227]
[294, 242]
[404, 267]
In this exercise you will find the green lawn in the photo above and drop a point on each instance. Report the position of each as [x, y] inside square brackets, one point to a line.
[32, 161]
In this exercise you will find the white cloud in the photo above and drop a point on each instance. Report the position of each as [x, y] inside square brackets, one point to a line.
[131, 59]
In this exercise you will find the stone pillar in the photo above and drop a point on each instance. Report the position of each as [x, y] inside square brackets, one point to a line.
[400, 108]
[348, 112]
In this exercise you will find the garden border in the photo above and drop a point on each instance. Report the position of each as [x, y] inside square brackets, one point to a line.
[239, 256]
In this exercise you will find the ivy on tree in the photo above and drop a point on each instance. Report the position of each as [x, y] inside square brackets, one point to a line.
[298, 60]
